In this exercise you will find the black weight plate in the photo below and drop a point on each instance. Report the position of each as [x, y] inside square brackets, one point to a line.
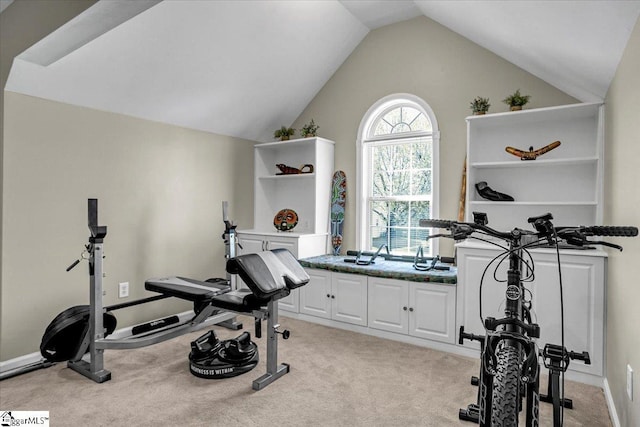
[64, 334]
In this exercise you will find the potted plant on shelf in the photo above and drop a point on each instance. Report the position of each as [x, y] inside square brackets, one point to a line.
[309, 130]
[480, 105]
[284, 133]
[516, 101]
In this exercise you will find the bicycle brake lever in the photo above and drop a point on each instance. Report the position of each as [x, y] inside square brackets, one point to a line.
[611, 245]
[433, 236]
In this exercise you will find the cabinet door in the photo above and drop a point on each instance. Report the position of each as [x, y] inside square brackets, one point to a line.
[388, 304]
[432, 311]
[290, 243]
[315, 296]
[251, 243]
[349, 298]
[471, 266]
[583, 293]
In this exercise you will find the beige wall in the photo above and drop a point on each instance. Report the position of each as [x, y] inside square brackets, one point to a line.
[622, 200]
[22, 24]
[160, 190]
[423, 58]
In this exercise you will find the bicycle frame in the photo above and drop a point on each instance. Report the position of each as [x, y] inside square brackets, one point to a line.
[513, 330]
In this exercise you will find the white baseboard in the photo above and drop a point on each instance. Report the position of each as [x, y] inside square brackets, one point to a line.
[611, 405]
[20, 361]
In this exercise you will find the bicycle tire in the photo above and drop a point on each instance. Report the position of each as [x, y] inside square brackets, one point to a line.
[504, 401]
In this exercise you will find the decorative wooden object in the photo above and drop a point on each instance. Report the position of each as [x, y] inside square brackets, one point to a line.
[288, 170]
[532, 154]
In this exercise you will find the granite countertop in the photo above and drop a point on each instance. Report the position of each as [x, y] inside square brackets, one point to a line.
[382, 268]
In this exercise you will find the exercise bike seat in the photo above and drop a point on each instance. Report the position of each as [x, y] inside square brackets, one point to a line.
[187, 289]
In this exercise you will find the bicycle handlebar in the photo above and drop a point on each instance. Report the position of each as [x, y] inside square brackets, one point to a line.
[576, 236]
[608, 230]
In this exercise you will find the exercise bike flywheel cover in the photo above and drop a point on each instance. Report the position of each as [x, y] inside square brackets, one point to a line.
[63, 336]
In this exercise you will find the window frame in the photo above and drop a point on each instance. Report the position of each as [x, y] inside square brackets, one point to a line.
[365, 140]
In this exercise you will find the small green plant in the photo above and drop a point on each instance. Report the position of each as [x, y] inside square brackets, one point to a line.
[310, 129]
[284, 133]
[516, 101]
[480, 105]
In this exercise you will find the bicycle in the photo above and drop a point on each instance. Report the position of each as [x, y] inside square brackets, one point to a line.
[509, 362]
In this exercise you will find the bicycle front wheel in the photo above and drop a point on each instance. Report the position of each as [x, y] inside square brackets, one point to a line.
[504, 402]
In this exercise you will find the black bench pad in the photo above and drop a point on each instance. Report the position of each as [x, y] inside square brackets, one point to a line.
[241, 300]
[187, 289]
[268, 273]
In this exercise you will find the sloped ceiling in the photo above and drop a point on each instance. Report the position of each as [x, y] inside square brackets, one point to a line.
[244, 68]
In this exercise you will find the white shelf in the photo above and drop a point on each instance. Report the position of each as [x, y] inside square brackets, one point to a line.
[536, 163]
[566, 181]
[290, 176]
[541, 203]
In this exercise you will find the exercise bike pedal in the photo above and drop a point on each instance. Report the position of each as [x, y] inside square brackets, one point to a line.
[472, 413]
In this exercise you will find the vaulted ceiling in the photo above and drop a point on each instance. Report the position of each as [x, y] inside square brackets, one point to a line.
[243, 68]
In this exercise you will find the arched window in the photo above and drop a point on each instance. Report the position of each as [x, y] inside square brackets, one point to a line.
[397, 175]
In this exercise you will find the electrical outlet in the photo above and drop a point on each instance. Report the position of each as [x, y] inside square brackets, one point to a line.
[629, 382]
[123, 290]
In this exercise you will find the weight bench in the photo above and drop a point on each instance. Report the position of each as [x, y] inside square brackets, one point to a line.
[270, 276]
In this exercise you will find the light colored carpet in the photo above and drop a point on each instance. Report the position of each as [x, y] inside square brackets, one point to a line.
[337, 378]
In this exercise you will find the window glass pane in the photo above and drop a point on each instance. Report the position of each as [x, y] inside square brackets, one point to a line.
[378, 224]
[421, 183]
[379, 214]
[400, 184]
[421, 123]
[418, 211]
[398, 239]
[409, 114]
[394, 116]
[421, 155]
[398, 213]
[381, 185]
[419, 238]
[382, 128]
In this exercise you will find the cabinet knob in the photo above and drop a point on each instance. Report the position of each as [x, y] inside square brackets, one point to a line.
[410, 308]
[404, 308]
[328, 296]
[333, 296]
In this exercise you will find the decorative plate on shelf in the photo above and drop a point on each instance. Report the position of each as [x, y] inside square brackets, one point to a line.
[285, 219]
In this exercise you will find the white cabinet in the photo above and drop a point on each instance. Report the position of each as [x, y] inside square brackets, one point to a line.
[583, 291]
[566, 181]
[308, 194]
[335, 296]
[425, 310]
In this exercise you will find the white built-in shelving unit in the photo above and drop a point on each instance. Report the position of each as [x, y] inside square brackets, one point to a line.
[566, 181]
